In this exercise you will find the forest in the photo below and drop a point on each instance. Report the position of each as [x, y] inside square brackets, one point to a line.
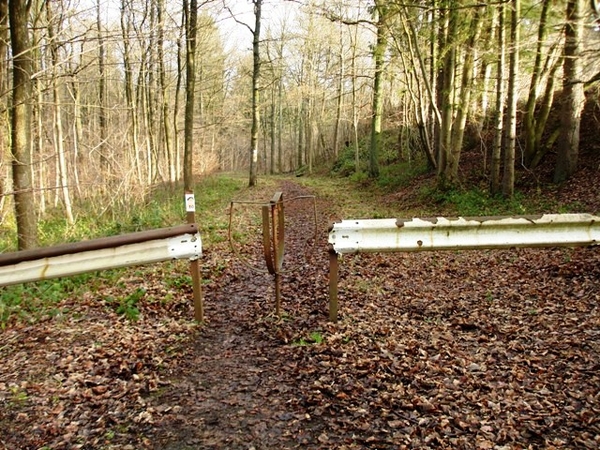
[103, 100]
[112, 110]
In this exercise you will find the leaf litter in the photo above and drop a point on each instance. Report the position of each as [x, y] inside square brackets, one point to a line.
[455, 350]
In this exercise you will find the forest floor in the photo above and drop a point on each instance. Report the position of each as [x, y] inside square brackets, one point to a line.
[455, 350]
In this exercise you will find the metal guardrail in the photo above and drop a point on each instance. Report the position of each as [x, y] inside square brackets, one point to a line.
[99, 254]
[413, 235]
[132, 249]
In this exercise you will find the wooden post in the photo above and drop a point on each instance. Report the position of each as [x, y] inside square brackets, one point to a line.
[277, 226]
[190, 207]
[333, 284]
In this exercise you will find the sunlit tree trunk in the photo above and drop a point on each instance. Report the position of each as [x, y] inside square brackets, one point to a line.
[4, 126]
[496, 159]
[254, 133]
[510, 130]
[422, 102]
[102, 120]
[379, 56]
[63, 181]
[354, 38]
[340, 96]
[464, 101]
[529, 117]
[130, 93]
[176, 157]
[21, 125]
[447, 93]
[191, 27]
[573, 95]
[165, 119]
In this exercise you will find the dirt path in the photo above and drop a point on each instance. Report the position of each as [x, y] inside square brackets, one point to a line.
[236, 391]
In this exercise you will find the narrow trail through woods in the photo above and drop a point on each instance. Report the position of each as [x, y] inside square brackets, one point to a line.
[236, 390]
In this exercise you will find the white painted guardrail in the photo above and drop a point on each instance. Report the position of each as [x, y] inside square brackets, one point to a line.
[99, 254]
[412, 235]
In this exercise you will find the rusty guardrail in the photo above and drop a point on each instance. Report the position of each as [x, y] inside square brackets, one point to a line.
[413, 235]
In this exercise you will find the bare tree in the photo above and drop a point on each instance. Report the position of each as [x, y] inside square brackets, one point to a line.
[254, 132]
[21, 124]
[496, 163]
[573, 95]
[379, 57]
[191, 27]
[4, 35]
[59, 140]
[510, 130]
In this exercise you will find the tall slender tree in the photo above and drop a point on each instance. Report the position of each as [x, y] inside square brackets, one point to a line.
[496, 159]
[4, 33]
[254, 132]
[379, 57]
[191, 27]
[21, 124]
[510, 130]
[573, 95]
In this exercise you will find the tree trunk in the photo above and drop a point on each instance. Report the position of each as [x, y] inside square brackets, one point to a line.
[176, 158]
[21, 125]
[63, 181]
[255, 93]
[191, 27]
[447, 87]
[573, 96]
[102, 122]
[378, 55]
[529, 118]
[508, 179]
[130, 93]
[4, 33]
[463, 104]
[496, 160]
[340, 97]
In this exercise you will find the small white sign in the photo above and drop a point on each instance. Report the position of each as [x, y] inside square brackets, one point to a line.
[190, 203]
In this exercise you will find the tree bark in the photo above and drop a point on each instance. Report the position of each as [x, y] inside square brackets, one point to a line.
[4, 34]
[529, 118]
[464, 102]
[378, 55]
[21, 125]
[191, 27]
[573, 96]
[63, 181]
[102, 120]
[254, 132]
[130, 93]
[508, 179]
[447, 92]
[496, 159]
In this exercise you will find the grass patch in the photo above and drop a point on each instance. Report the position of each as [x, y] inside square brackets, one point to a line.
[127, 305]
[316, 337]
[31, 301]
[473, 202]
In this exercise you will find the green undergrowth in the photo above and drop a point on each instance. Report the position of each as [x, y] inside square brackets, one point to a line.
[30, 302]
[162, 207]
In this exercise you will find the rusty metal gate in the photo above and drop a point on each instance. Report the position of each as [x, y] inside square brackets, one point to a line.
[273, 238]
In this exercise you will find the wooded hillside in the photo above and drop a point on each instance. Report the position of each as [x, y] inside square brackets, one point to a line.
[102, 100]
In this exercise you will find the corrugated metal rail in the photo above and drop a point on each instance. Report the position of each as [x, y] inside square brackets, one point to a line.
[413, 235]
[99, 254]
